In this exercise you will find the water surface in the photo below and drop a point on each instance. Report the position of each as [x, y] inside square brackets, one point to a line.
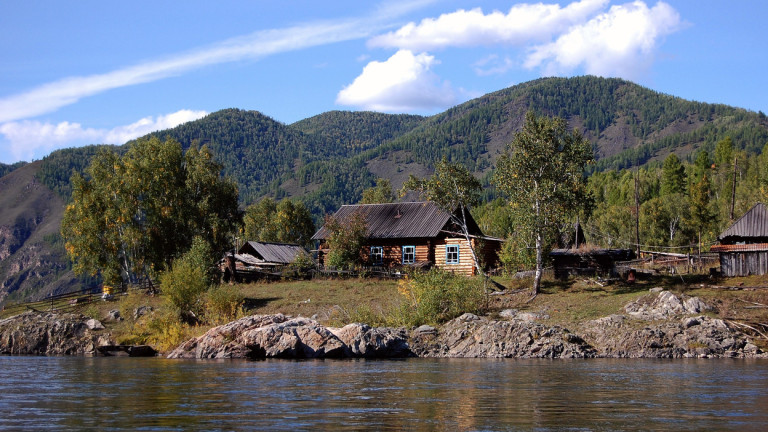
[75, 393]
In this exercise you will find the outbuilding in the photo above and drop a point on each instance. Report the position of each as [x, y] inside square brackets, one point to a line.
[743, 247]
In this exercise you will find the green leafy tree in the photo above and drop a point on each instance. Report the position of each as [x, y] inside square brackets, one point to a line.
[131, 215]
[455, 191]
[346, 240]
[283, 222]
[379, 194]
[542, 172]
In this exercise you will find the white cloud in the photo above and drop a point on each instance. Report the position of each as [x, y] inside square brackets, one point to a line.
[28, 139]
[522, 24]
[620, 42]
[404, 82]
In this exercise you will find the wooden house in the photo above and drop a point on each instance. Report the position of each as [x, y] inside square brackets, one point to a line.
[416, 234]
[255, 260]
[743, 247]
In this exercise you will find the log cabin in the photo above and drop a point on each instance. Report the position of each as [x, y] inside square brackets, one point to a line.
[415, 234]
[743, 247]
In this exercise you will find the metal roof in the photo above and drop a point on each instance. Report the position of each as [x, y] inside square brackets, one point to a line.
[396, 220]
[754, 223]
[282, 253]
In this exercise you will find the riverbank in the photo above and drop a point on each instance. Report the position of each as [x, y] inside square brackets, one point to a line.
[655, 324]
[579, 318]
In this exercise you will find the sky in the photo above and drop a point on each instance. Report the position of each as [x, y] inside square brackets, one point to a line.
[104, 72]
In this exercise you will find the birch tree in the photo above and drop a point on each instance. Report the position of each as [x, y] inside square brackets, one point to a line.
[454, 190]
[542, 173]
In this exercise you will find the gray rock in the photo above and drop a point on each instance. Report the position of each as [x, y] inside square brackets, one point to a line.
[94, 324]
[425, 330]
[481, 337]
[114, 315]
[663, 305]
[141, 311]
[508, 313]
[34, 333]
[279, 336]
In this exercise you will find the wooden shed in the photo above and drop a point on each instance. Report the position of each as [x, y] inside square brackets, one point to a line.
[743, 247]
[416, 234]
[588, 261]
[254, 260]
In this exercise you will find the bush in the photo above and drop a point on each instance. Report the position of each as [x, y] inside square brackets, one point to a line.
[224, 304]
[185, 285]
[436, 296]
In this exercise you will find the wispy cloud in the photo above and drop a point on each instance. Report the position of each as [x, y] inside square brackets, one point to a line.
[23, 140]
[54, 95]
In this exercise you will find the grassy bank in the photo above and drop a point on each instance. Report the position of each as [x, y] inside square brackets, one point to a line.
[339, 301]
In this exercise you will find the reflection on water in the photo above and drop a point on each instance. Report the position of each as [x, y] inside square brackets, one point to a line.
[58, 393]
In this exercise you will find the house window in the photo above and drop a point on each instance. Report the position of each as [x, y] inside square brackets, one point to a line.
[451, 254]
[377, 255]
[409, 254]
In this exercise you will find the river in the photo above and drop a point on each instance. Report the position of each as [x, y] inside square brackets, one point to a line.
[76, 393]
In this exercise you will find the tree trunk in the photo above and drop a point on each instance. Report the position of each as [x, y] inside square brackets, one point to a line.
[465, 230]
[539, 265]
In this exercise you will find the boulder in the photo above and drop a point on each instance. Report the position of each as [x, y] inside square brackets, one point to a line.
[49, 333]
[280, 336]
[473, 336]
[661, 305]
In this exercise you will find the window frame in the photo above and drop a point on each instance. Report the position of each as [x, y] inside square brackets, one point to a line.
[458, 256]
[413, 256]
[379, 252]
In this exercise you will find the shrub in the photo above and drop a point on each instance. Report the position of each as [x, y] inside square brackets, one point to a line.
[184, 285]
[436, 296]
[223, 304]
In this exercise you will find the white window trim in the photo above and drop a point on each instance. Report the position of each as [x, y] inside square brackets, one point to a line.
[414, 254]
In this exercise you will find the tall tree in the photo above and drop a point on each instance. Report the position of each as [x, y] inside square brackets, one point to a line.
[379, 194]
[132, 215]
[672, 176]
[283, 222]
[542, 172]
[455, 191]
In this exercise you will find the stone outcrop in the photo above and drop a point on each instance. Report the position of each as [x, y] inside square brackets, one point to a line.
[34, 333]
[473, 336]
[660, 325]
[280, 336]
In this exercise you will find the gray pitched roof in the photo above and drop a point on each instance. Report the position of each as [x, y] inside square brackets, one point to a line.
[280, 253]
[754, 223]
[395, 220]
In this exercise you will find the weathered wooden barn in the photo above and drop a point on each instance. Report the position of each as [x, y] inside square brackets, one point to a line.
[415, 234]
[588, 261]
[255, 260]
[743, 247]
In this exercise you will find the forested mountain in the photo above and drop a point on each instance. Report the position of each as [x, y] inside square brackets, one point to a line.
[5, 168]
[329, 159]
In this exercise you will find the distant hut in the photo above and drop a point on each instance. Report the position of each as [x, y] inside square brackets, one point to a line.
[588, 261]
[743, 247]
[257, 259]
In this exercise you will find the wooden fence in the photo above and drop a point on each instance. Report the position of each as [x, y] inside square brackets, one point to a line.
[67, 302]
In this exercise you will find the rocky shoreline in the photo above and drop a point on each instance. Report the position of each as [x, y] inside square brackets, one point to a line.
[659, 325]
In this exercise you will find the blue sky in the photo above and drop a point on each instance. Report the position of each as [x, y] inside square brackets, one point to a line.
[87, 72]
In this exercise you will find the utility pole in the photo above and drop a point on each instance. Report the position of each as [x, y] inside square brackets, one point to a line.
[637, 213]
[733, 186]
